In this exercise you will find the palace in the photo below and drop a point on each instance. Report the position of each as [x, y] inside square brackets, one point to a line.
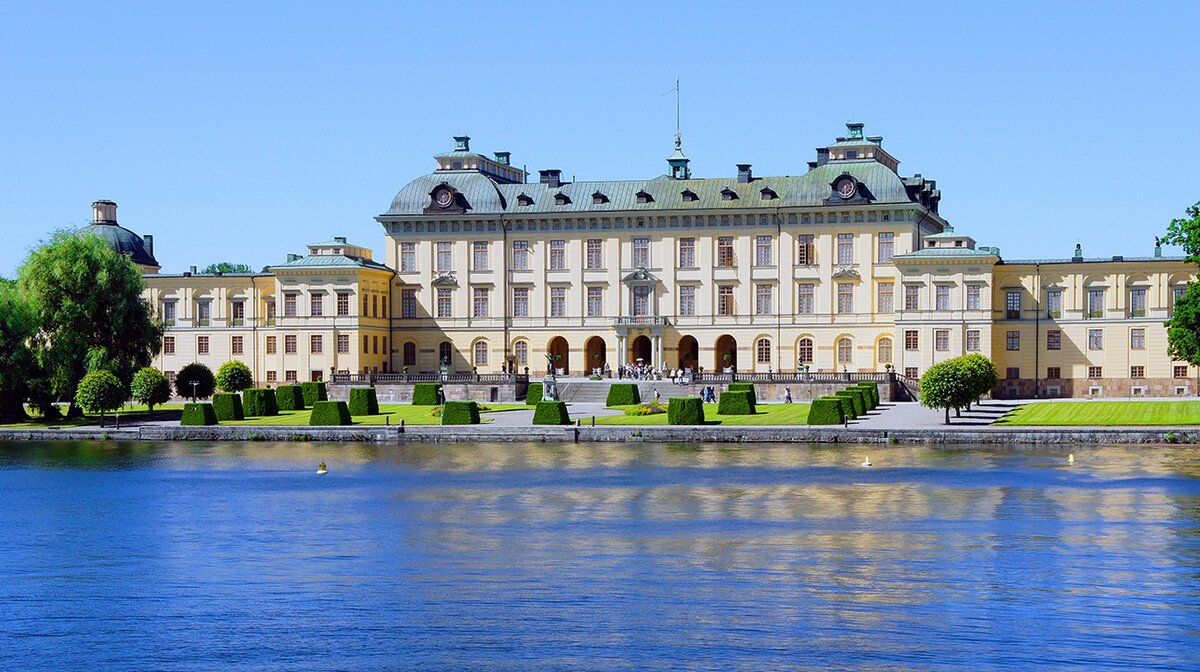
[847, 267]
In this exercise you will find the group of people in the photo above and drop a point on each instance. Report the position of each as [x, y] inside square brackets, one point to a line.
[633, 371]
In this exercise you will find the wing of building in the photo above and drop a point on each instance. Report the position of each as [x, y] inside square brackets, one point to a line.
[845, 267]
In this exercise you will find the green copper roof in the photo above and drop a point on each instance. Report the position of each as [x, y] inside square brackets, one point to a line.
[314, 261]
[947, 252]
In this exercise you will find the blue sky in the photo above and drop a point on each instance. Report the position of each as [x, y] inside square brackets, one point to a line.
[241, 132]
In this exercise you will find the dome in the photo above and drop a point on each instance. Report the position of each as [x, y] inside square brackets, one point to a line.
[479, 193]
[120, 239]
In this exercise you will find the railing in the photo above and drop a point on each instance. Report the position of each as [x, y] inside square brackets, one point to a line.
[641, 321]
[456, 377]
[792, 377]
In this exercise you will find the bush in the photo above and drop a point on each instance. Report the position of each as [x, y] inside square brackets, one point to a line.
[847, 406]
[551, 413]
[100, 391]
[735, 402]
[228, 406]
[259, 403]
[460, 413]
[198, 414]
[234, 376]
[825, 411]
[685, 411]
[313, 392]
[427, 394]
[329, 413]
[646, 409]
[201, 375]
[872, 388]
[150, 387]
[289, 398]
[363, 401]
[623, 394]
[855, 399]
[534, 394]
[747, 387]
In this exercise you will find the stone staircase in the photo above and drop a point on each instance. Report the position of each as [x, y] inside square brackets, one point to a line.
[596, 391]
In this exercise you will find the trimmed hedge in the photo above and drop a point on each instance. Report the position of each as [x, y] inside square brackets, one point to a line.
[825, 411]
[873, 388]
[228, 406]
[329, 413]
[198, 414]
[314, 392]
[854, 398]
[735, 402]
[551, 413]
[534, 395]
[847, 406]
[259, 402]
[427, 394]
[460, 413]
[363, 401]
[747, 387]
[685, 411]
[289, 398]
[623, 394]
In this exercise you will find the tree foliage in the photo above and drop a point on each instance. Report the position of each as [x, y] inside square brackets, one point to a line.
[199, 374]
[958, 382]
[99, 392]
[150, 387]
[1185, 232]
[88, 304]
[1183, 329]
[234, 376]
[18, 366]
[227, 267]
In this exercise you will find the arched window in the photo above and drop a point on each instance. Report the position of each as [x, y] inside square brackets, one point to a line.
[845, 351]
[521, 350]
[481, 353]
[445, 350]
[804, 352]
[763, 350]
[885, 351]
[410, 353]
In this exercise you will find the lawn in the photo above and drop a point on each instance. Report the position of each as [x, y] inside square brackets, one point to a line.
[1104, 413]
[388, 414]
[768, 414]
[128, 412]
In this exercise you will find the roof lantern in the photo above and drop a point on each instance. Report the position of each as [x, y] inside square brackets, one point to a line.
[678, 162]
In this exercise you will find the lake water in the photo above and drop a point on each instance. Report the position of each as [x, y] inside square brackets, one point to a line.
[598, 557]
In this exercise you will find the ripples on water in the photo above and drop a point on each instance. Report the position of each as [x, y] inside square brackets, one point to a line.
[598, 557]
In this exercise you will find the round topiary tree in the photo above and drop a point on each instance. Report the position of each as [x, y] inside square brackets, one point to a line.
[234, 376]
[100, 391]
[150, 387]
[196, 373]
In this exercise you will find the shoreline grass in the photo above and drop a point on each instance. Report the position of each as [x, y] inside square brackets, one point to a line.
[1103, 414]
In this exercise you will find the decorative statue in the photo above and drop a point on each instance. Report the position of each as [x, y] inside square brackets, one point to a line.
[549, 365]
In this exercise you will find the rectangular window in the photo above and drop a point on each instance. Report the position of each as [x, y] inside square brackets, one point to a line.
[1012, 305]
[886, 245]
[558, 255]
[942, 297]
[1137, 339]
[202, 345]
[520, 260]
[270, 312]
[972, 297]
[1054, 303]
[1176, 294]
[885, 291]
[374, 305]
[317, 305]
[762, 251]
[272, 376]
[595, 301]
[168, 313]
[408, 257]
[236, 345]
[444, 260]
[1053, 339]
[481, 302]
[1095, 303]
[1095, 339]
[725, 257]
[1054, 372]
[762, 300]
[1137, 302]
[1012, 373]
[408, 303]
[271, 345]
[1180, 371]
[941, 340]
[443, 302]
[845, 248]
[911, 340]
[911, 297]
[973, 340]
[687, 300]
[479, 255]
[520, 302]
[641, 253]
[1137, 372]
[1095, 372]
[805, 253]
[289, 344]
[343, 344]
[237, 313]
[366, 345]
[343, 304]
[687, 252]
[806, 301]
[911, 372]
[845, 297]
[203, 313]
[315, 344]
[289, 376]
[366, 311]
[725, 300]
[558, 302]
[289, 304]
[1012, 340]
[168, 345]
[595, 253]
[641, 301]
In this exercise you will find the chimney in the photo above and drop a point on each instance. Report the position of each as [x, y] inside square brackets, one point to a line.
[104, 211]
[462, 143]
[290, 258]
[192, 270]
[149, 240]
[551, 178]
[744, 175]
[503, 158]
[822, 156]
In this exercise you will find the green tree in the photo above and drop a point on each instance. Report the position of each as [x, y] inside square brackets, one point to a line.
[100, 391]
[946, 385]
[150, 387]
[227, 267]
[981, 375]
[18, 366]
[196, 373]
[1183, 329]
[1185, 232]
[234, 376]
[90, 312]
